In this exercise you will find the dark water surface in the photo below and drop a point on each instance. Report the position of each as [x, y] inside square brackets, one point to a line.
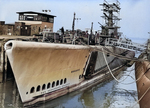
[110, 94]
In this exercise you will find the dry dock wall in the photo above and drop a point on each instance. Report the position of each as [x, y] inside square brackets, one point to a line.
[3, 62]
[5, 68]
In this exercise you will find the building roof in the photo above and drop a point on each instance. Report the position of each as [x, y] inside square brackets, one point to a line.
[31, 12]
[10, 24]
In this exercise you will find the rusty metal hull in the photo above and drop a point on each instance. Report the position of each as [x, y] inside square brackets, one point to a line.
[44, 71]
[142, 73]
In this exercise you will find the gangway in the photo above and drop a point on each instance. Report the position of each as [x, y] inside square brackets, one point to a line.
[125, 44]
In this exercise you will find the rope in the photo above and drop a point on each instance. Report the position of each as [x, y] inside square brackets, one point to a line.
[120, 57]
[145, 91]
[123, 57]
[116, 55]
[141, 97]
[127, 83]
[112, 73]
[126, 70]
[130, 70]
[127, 77]
[128, 92]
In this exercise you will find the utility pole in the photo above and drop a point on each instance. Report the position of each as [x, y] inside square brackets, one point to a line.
[91, 32]
[74, 18]
[73, 25]
[91, 28]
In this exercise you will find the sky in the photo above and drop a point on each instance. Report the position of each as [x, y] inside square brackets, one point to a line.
[135, 14]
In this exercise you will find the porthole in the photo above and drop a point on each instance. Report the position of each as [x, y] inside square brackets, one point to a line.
[32, 90]
[79, 76]
[65, 80]
[48, 85]
[43, 87]
[57, 83]
[61, 81]
[38, 88]
[53, 84]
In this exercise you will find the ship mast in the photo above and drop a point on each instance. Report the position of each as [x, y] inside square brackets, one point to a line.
[111, 13]
[73, 24]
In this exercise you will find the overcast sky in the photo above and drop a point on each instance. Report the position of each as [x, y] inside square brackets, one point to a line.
[135, 14]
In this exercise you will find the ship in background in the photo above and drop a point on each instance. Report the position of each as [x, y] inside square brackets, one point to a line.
[142, 74]
[45, 71]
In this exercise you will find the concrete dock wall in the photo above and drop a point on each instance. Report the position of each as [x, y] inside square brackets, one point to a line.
[3, 62]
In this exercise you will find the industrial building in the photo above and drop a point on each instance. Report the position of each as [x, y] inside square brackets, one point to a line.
[28, 23]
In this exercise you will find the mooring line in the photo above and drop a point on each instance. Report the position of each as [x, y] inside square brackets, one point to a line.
[123, 57]
[114, 54]
[127, 83]
[141, 97]
[112, 73]
[120, 56]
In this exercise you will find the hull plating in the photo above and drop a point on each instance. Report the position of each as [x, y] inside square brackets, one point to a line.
[45, 71]
[142, 73]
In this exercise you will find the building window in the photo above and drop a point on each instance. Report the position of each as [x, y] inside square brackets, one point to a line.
[30, 18]
[43, 87]
[35, 18]
[32, 90]
[48, 85]
[38, 88]
[39, 29]
[39, 18]
[18, 27]
[44, 18]
[51, 20]
[21, 17]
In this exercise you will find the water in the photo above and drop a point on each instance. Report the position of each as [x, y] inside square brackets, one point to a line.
[110, 94]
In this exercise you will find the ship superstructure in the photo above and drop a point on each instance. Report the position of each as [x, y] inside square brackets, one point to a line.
[111, 13]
